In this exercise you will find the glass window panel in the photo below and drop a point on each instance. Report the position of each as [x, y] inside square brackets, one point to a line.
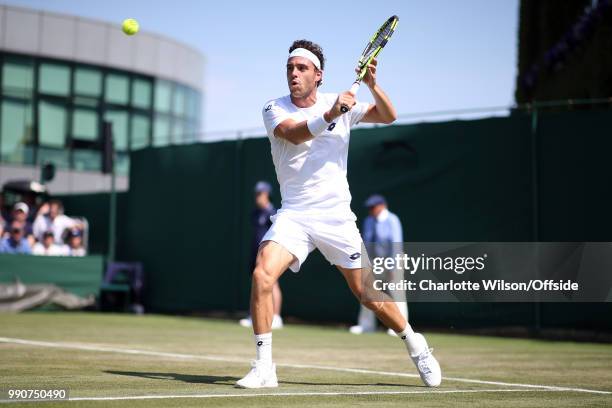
[119, 119]
[178, 103]
[59, 157]
[189, 102]
[86, 160]
[140, 131]
[141, 93]
[178, 132]
[18, 73]
[193, 110]
[191, 130]
[163, 93]
[85, 124]
[122, 164]
[161, 131]
[54, 79]
[88, 81]
[16, 132]
[117, 89]
[52, 124]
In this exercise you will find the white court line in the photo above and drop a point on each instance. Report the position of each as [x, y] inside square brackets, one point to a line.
[316, 367]
[297, 394]
[277, 394]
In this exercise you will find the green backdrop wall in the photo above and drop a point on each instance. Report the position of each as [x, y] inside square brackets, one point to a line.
[525, 177]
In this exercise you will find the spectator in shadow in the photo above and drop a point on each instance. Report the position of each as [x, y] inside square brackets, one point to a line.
[48, 246]
[15, 243]
[382, 234]
[260, 219]
[51, 218]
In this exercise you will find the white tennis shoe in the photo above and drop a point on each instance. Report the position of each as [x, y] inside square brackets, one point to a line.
[427, 365]
[262, 375]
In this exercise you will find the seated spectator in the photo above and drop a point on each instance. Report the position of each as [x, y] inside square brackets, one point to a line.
[15, 243]
[51, 218]
[20, 214]
[75, 243]
[48, 247]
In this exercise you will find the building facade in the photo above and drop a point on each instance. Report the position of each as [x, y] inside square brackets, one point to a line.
[61, 76]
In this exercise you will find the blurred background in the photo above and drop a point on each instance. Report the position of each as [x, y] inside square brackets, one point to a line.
[130, 160]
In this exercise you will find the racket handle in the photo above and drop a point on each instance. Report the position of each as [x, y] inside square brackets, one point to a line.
[353, 91]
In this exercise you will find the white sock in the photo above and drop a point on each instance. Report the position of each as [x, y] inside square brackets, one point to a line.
[263, 346]
[413, 343]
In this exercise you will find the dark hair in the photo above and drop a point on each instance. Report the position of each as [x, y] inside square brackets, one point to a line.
[312, 47]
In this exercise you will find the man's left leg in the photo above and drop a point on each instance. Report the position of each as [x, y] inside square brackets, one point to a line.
[388, 313]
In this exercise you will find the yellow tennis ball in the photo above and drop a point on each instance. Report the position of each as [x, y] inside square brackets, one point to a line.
[130, 26]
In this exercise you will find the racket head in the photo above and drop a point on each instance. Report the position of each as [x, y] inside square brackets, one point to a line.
[376, 44]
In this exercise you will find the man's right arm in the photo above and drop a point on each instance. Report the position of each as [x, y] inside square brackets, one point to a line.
[294, 132]
[300, 132]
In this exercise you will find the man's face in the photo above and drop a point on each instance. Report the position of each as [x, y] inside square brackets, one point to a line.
[376, 209]
[19, 215]
[302, 76]
[54, 210]
[262, 199]
[16, 232]
[47, 240]
[75, 241]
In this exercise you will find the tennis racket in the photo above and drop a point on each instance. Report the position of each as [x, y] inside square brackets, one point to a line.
[374, 47]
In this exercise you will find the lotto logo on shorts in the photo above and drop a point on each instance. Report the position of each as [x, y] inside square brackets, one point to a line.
[356, 255]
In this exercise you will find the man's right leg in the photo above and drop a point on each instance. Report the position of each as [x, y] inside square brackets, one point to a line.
[272, 260]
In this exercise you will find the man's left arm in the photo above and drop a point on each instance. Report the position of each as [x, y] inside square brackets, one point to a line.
[382, 111]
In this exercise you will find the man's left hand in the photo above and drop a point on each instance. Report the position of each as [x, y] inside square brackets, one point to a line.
[370, 77]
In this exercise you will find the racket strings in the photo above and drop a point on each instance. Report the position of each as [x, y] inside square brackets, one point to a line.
[381, 37]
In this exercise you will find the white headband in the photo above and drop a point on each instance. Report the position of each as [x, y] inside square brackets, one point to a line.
[303, 52]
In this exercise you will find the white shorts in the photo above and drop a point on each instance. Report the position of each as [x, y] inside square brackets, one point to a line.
[337, 238]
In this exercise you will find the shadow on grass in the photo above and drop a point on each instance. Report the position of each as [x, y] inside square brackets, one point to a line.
[227, 380]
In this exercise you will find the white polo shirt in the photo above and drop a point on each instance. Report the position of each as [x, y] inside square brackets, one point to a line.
[312, 175]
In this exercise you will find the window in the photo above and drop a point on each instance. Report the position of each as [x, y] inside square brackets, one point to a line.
[17, 76]
[88, 82]
[140, 131]
[54, 79]
[119, 119]
[59, 157]
[163, 93]
[85, 124]
[161, 135]
[16, 132]
[66, 102]
[52, 124]
[178, 105]
[122, 164]
[178, 132]
[141, 93]
[86, 160]
[117, 89]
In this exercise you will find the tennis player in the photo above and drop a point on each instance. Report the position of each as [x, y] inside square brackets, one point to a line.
[309, 138]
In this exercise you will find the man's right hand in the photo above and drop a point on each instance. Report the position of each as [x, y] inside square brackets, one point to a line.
[346, 99]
